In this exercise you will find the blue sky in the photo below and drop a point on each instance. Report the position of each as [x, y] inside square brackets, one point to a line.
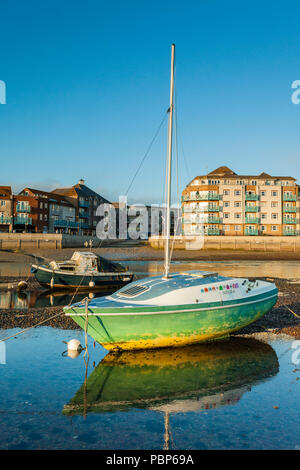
[88, 84]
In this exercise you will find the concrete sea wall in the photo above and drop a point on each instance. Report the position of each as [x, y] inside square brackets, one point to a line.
[250, 243]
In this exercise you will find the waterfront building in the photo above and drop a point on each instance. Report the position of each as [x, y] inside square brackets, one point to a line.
[86, 202]
[6, 209]
[42, 211]
[225, 203]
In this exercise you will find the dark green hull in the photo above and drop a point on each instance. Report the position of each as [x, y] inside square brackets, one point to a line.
[74, 281]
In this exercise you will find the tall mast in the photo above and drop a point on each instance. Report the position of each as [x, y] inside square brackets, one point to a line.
[169, 166]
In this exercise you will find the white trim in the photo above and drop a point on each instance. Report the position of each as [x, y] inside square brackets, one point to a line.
[166, 311]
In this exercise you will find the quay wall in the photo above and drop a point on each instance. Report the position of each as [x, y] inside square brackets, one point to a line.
[245, 243]
[47, 240]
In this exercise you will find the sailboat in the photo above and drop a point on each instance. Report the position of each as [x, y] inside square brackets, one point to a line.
[174, 309]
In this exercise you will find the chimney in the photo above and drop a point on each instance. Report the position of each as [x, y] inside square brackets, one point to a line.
[81, 181]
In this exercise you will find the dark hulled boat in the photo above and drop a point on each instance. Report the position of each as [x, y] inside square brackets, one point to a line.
[84, 270]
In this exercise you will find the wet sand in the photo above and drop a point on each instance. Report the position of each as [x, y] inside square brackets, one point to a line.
[140, 251]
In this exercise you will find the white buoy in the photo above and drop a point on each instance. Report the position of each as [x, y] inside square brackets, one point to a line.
[91, 284]
[74, 345]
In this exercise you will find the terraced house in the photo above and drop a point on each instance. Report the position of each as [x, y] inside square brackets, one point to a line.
[225, 203]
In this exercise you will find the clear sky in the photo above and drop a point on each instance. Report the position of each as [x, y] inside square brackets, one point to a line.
[88, 83]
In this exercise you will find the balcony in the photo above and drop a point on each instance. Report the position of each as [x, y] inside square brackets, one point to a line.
[251, 208]
[251, 220]
[5, 220]
[251, 197]
[23, 209]
[288, 232]
[200, 197]
[289, 221]
[84, 215]
[202, 220]
[189, 210]
[249, 231]
[22, 220]
[289, 197]
[65, 223]
[84, 204]
[289, 209]
[212, 231]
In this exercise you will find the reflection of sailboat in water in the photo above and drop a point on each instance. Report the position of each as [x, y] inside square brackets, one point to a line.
[175, 380]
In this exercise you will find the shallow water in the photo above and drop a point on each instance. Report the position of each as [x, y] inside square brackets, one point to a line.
[14, 300]
[219, 396]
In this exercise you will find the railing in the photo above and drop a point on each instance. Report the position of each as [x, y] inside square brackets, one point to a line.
[289, 232]
[251, 220]
[5, 220]
[288, 197]
[289, 209]
[289, 221]
[251, 208]
[65, 223]
[200, 220]
[84, 204]
[26, 209]
[84, 215]
[251, 197]
[198, 197]
[23, 220]
[201, 209]
[251, 231]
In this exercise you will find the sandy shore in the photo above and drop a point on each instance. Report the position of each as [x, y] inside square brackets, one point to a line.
[143, 252]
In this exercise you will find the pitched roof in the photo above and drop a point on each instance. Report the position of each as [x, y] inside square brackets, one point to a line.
[78, 190]
[54, 197]
[224, 171]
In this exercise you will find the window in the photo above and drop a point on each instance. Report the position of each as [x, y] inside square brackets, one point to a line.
[263, 193]
[263, 203]
[263, 216]
[46, 205]
[226, 203]
[263, 228]
[274, 228]
[274, 216]
[274, 193]
[226, 215]
[237, 192]
[226, 228]
[253, 183]
[3, 203]
[237, 204]
[41, 216]
[237, 228]
[274, 204]
[237, 215]
[226, 192]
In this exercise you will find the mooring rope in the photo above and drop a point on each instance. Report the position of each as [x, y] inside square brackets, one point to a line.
[31, 327]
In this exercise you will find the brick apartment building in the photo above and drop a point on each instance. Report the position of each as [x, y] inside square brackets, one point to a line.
[6, 209]
[85, 201]
[225, 203]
